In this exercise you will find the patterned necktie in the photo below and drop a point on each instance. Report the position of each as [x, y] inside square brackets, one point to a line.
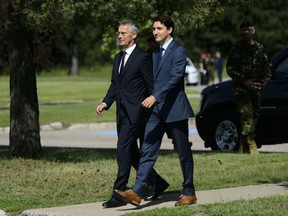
[159, 57]
[122, 64]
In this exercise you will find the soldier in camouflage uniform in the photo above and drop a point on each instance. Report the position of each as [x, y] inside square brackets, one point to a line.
[250, 69]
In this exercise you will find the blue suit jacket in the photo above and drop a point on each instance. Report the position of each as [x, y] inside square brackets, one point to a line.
[171, 100]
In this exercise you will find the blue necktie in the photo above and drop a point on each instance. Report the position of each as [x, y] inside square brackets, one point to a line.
[159, 57]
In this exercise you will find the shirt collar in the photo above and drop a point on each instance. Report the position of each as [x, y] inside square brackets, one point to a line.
[130, 50]
[167, 43]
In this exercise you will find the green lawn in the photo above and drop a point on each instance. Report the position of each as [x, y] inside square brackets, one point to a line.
[272, 206]
[69, 99]
[66, 176]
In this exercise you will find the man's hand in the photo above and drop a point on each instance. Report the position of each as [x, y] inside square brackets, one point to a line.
[263, 83]
[251, 84]
[100, 108]
[149, 101]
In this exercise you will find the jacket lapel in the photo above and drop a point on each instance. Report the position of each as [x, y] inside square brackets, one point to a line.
[154, 56]
[117, 63]
[129, 62]
[166, 53]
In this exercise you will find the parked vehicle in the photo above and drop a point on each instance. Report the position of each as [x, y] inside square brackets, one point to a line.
[191, 73]
[217, 121]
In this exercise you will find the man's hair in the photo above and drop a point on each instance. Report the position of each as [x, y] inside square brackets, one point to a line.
[246, 24]
[133, 26]
[166, 21]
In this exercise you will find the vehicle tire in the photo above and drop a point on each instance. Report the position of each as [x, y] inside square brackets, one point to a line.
[225, 131]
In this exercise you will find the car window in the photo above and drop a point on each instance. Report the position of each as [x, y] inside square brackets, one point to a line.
[281, 72]
[189, 62]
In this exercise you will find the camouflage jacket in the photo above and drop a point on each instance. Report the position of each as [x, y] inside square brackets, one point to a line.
[247, 61]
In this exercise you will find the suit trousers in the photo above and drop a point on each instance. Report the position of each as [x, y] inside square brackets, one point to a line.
[155, 129]
[128, 153]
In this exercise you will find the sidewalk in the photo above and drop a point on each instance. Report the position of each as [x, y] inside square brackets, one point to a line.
[167, 200]
[104, 136]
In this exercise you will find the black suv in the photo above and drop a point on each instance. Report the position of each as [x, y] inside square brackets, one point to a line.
[217, 121]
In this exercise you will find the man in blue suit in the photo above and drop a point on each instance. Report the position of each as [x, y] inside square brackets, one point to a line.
[170, 111]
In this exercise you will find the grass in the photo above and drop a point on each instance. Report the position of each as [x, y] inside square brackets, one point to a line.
[274, 206]
[69, 99]
[67, 176]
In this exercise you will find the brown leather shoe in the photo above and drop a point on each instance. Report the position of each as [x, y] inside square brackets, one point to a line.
[129, 196]
[186, 200]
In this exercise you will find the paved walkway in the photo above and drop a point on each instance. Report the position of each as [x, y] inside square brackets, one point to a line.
[167, 200]
[103, 135]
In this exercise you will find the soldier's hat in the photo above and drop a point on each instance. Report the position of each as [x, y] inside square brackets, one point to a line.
[246, 24]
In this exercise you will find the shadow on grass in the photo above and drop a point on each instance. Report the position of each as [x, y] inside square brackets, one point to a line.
[78, 155]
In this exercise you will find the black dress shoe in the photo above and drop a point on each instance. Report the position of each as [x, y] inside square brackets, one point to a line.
[160, 187]
[114, 202]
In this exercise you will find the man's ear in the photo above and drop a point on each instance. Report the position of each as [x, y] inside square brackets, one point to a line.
[170, 30]
[253, 30]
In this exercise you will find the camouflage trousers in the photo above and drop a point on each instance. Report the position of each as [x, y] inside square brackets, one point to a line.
[248, 105]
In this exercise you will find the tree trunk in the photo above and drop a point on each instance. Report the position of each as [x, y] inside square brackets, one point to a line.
[24, 111]
[74, 68]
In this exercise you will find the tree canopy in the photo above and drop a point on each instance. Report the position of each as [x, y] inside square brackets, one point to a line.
[22, 20]
[200, 25]
[269, 18]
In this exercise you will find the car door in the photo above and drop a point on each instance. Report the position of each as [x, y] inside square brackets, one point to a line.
[273, 122]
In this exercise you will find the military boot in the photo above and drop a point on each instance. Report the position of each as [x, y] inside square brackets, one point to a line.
[252, 147]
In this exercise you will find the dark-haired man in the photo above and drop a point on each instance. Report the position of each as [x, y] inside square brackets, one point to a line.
[250, 69]
[170, 111]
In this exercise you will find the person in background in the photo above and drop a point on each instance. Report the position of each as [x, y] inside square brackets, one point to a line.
[249, 67]
[131, 82]
[219, 65]
[210, 68]
[170, 110]
[204, 69]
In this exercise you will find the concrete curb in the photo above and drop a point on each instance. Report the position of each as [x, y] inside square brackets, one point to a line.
[59, 126]
[2, 213]
[77, 126]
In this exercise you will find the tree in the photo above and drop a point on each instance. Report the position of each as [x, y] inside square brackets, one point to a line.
[269, 18]
[24, 19]
[24, 111]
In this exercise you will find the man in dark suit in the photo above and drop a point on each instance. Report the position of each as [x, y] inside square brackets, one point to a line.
[170, 111]
[131, 83]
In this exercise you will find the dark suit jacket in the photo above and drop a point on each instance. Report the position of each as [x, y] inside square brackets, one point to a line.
[171, 100]
[133, 86]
